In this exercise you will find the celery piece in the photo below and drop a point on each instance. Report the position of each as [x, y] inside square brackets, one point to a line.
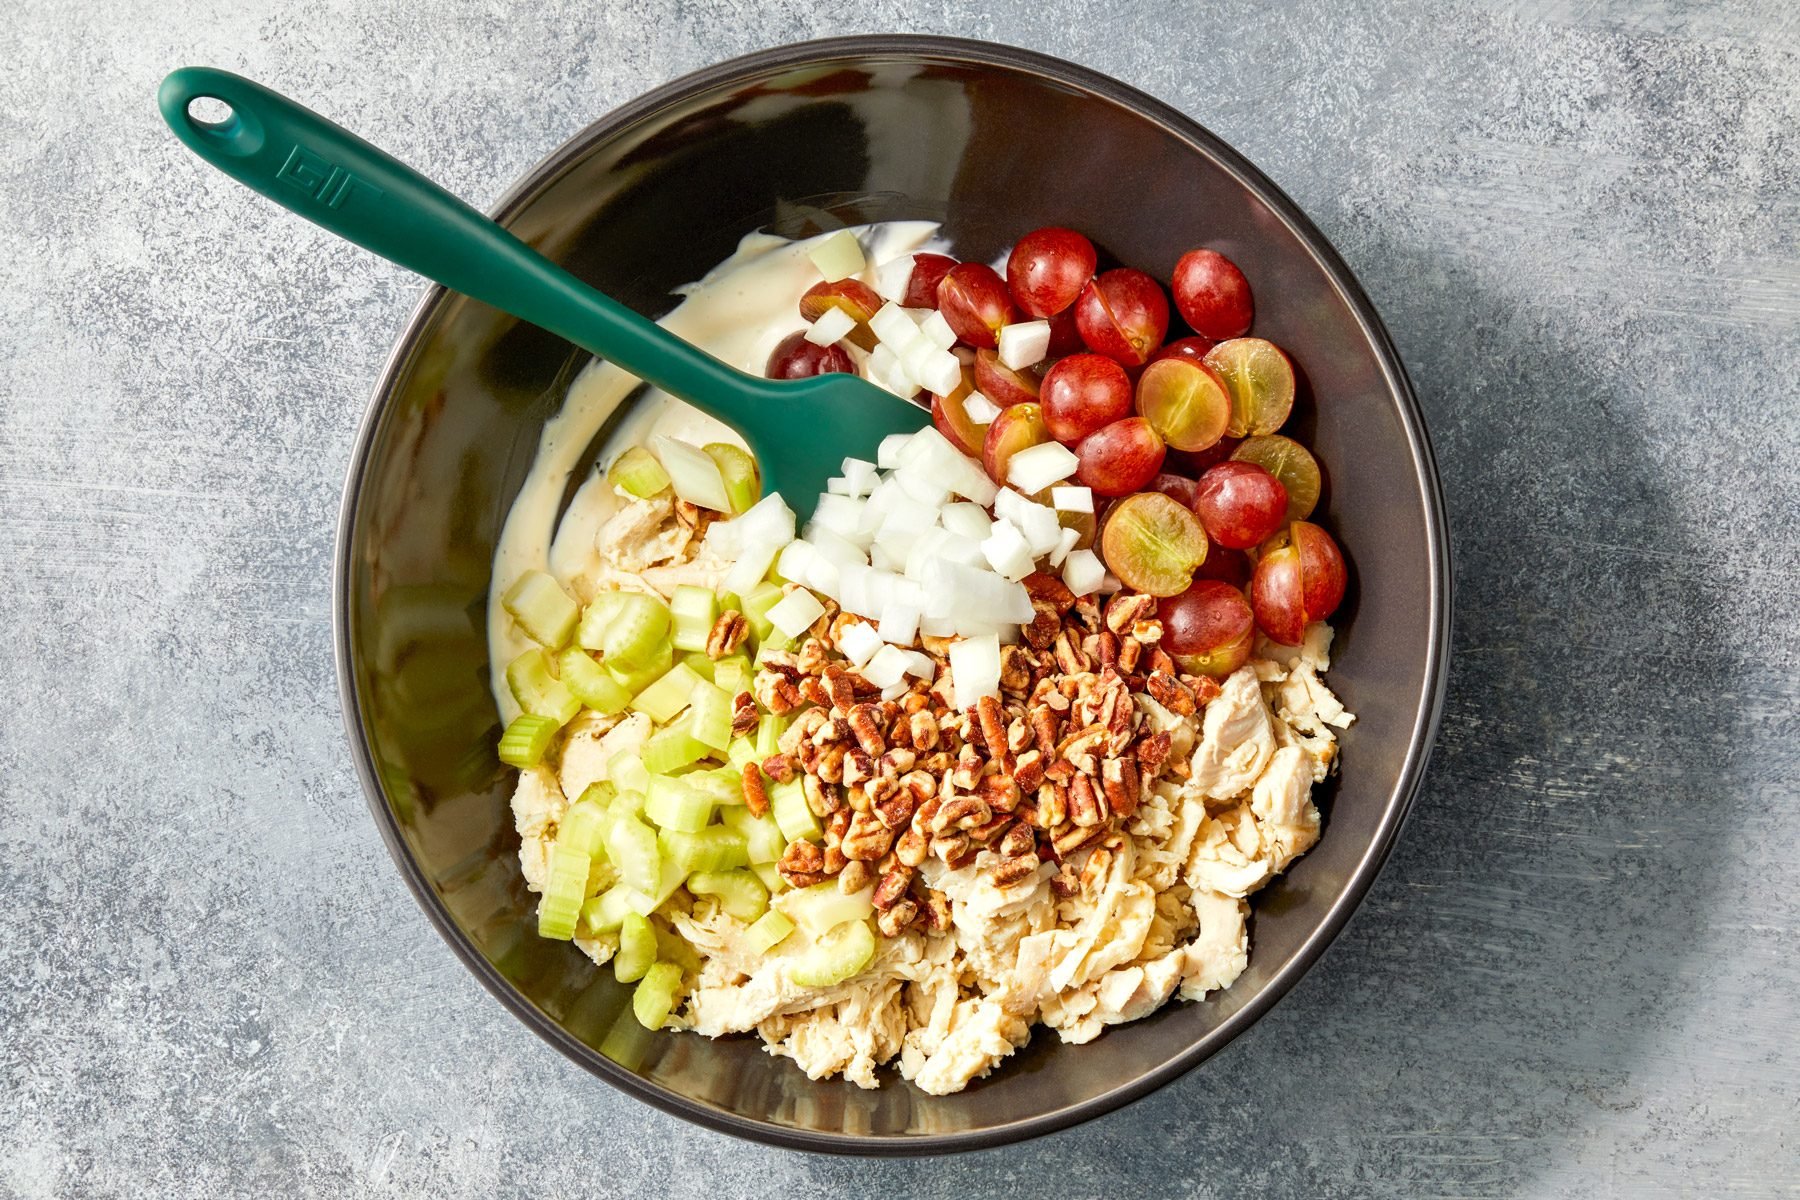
[692, 611]
[722, 785]
[525, 740]
[710, 716]
[741, 751]
[541, 607]
[537, 690]
[787, 803]
[637, 948]
[591, 633]
[757, 603]
[631, 845]
[700, 665]
[714, 848]
[668, 695]
[837, 956]
[583, 826]
[672, 876]
[732, 674]
[738, 892]
[588, 681]
[654, 998]
[823, 907]
[601, 793]
[671, 749]
[768, 736]
[763, 839]
[626, 770]
[742, 482]
[604, 912]
[771, 878]
[672, 804]
[775, 642]
[638, 630]
[564, 891]
[636, 678]
[767, 932]
[638, 473]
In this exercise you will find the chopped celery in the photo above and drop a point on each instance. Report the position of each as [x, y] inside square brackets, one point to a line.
[710, 717]
[738, 892]
[583, 826]
[776, 641]
[591, 633]
[604, 912]
[787, 803]
[631, 845]
[730, 601]
[638, 472]
[588, 681]
[525, 740]
[770, 877]
[638, 630]
[700, 665]
[637, 948]
[837, 956]
[714, 848]
[767, 932]
[601, 792]
[668, 879]
[635, 679]
[692, 611]
[668, 695]
[654, 998]
[739, 472]
[626, 770]
[672, 804]
[768, 736]
[823, 907]
[564, 891]
[722, 785]
[757, 603]
[741, 751]
[732, 674]
[537, 690]
[542, 609]
[671, 749]
[763, 839]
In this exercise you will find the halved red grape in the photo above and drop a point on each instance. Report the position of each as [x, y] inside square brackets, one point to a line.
[1048, 268]
[1120, 458]
[1240, 504]
[1195, 462]
[974, 300]
[952, 419]
[1261, 381]
[856, 298]
[1193, 348]
[1209, 628]
[796, 358]
[1212, 294]
[1185, 401]
[1299, 578]
[1291, 463]
[1000, 383]
[1176, 487]
[1015, 429]
[1082, 393]
[1123, 314]
[1226, 565]
[1152, 543]
[1065, 334]
[922, 286]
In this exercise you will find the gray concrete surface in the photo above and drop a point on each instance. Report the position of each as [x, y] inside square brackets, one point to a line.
[1580, 974]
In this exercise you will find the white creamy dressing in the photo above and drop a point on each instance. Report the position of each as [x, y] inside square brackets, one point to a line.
[737, 313]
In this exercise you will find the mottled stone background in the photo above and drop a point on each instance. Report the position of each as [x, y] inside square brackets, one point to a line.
[1580, 973]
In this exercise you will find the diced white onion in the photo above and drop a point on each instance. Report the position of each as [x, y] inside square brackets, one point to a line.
[861, 475]
[837, 485]
[1083, 572]
[1035, 468]
[840, 514]
[751, 564]
[830, 328]
[1024, 344]
[975, 669]
[822, 576]
[936, 626]
[838, 256]
[692, 472]
[894, 691]
[1008, 552]
[893, 328]
[891, 277]
[899, 623]
[888, 666]
[966, 519]
[887, 455]
[980, 409]
[859, 642]
[1072, 499]
[1065, 542]
[920, 665]
[1041, 529]
[937, 330]
[795, 612]
[942, 372]
[795, 561]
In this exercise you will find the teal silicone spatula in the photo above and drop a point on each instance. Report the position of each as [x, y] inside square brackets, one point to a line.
[799, 430]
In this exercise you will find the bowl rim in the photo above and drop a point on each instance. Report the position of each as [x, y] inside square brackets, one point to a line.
[956, 51]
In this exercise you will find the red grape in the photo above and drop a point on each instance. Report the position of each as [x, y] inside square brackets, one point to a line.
[1120, 458]
[1081, 393]
[1015, 429]
[1209, 628]
[1240, 504]
[854, 297]
[796, 358]
[1185, 401]
[1195, 462]
[1291, 463]
[952, 419]
[1193, 348]
[1123, 314]
[1261, 381]
[1048, 268]
[1299, 578]
[1065, 334]
[974, 300]
[1152, 543]
[1225, 565]
[1000, 383]
[1212, 294]
[1177, 487]
[922, 286]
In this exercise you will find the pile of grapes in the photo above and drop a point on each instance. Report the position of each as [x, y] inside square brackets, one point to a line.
[1206, 502]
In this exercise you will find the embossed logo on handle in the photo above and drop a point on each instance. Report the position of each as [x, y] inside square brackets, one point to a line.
[318, 178]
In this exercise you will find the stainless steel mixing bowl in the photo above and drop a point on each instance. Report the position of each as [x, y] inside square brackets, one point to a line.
[991, 141]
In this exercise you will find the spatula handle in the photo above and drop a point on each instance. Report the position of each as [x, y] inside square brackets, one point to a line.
[333, 178]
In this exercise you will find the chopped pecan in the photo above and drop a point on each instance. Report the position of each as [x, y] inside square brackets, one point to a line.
[801, 732]
[892, 888]
[1009, 871]
[812, 656]
[855, 876]
[1152, 752]
[1130, 650]
[995, 827]
[1043, 728]
[1019, 839]
[743, 714]
[829, 765]
[1015, 668]
[993, 730]
[840, 691]
[924, 729]
[999, 791]
[1064, 883]
[1119, 778]
[1164, 689]
[1159, 660]
[1018, 735]
[1106, 648]
[936, 911]
[1067, 841]
[857, 765]
[775, 692]
[968, 768]
[1028, 771]
[1084, 804]
[727, 634]
[964, 812]
[802, 864]
[1148, 631]
[1127, 609]
[910, 848]
[1205, 688]
[1041, 631]
[895, 811]
[867, 839]
[821, 628]
[821, 797]
[835, 860]
[866, 727]
[1049, 808]
[780, 767]
[896, 762]
[952, 846]
[893, 921]
[1070, 658]
[1081, 746]
[1047, 588]
[756, 796]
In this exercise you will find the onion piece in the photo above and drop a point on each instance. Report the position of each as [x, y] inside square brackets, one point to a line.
[1024, 344]
[692, 472]
[1035, 468]
[888, 666]
[1083, 572]
[859, 643]
[838, 256]
[899, 623]
[974, 669]
[795, 612]
[979, 409]
[831, 327]
[1072, 499]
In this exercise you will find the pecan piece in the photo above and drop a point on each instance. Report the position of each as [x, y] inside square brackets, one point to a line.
[910, 848]
[936, 911]
[743, 714]
[1015, 668]
[802, 864]
[822, 798]
[756, 796]
[893, 921]
[780, 767]
[1084, 804]
[897, 810]
[867, 839]
[1041, 631]
[999, 791]
[855, 876]
[964, 812]
[1127, 609]
[1009, 871]
[1046, 588]
[892, 888]
[1043, 728]
[727, 634]
[1119, 778]
[924, 729]
[1069, 840]
[840, 690]
[866, 727]
[1070, 658]
[993, 729]
[1152, 752]
[1164, 689]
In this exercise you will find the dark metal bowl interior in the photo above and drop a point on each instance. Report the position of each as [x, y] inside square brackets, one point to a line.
[794, 140]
